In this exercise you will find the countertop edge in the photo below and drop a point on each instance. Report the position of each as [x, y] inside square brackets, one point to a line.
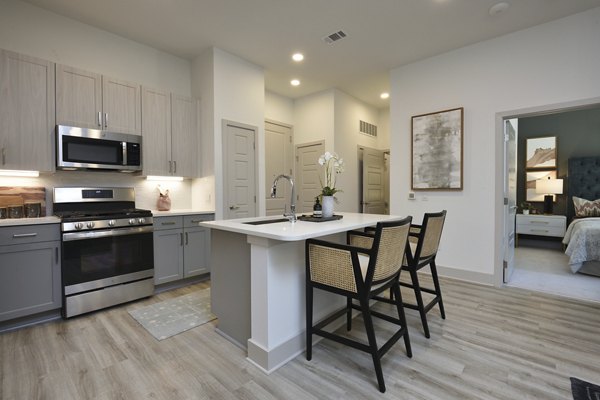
[175, 213]
[29, 221]
[331, 227]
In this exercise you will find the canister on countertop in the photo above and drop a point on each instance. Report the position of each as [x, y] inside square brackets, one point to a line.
[3, 212]
[32, 209]
[15, 211]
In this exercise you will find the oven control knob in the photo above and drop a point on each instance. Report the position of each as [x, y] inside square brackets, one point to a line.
[132, 221]
[141, 221]
[78, 225]
[90, 224]
[112, 223]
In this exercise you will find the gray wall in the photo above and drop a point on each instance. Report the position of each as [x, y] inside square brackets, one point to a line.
[577, 135]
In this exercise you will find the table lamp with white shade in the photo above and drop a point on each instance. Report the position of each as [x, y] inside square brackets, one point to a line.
[549, 187]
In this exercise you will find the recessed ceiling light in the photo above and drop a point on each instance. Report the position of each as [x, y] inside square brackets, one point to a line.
[298, 57]
[498, 8]
[384, 95]
[295, 82]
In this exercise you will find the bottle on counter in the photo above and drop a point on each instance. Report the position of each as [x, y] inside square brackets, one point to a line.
[317, 208]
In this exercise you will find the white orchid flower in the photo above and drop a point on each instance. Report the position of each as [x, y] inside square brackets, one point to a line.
[327, 156]
[321, 160]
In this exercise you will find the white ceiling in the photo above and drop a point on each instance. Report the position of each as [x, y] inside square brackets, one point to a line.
[382, 34]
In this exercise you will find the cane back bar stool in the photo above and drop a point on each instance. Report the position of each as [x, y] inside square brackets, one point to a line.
[424, 241]
[359, 273]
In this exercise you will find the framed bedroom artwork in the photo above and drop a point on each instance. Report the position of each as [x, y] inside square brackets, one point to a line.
[437, 150]
[530, 183]
[541, 153]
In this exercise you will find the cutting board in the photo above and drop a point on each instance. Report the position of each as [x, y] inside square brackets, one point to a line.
[14, 195]
[10, 200]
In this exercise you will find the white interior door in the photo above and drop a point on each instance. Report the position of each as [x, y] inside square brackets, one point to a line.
[373, 190]
[278, 160]
[510, 195]
[307, 175]
[239, 163]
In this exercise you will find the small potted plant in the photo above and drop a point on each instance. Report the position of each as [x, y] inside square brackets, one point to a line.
[525, 206]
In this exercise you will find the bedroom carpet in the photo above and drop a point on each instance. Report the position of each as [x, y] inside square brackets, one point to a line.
[546, 270]
[583, 390]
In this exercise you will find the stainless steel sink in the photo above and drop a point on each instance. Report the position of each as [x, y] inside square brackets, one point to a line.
[267, 221]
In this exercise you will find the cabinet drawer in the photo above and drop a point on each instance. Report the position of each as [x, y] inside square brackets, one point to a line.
[190, 221]
[24, 234]
[541, 230]
[537, 221]
[175, 222]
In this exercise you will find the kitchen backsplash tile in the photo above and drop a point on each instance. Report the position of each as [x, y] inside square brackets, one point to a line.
[146, 192]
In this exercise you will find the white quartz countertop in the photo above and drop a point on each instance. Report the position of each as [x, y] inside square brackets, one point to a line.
[300, 230]
[173, 213]
[29, 221]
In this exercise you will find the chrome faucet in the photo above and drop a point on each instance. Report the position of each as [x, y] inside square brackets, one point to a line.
[292, 214]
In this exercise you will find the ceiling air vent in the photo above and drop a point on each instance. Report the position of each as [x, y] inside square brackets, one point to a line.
[334, 37]
[368, 129]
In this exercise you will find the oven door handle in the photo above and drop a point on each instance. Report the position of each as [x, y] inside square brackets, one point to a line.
[68, 237]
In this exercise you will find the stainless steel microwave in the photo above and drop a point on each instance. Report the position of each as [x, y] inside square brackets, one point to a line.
[81, 148]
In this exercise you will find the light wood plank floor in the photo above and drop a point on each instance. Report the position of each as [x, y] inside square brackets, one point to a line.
[494, 344]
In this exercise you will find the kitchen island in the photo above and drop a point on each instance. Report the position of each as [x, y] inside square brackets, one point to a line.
[258, 282]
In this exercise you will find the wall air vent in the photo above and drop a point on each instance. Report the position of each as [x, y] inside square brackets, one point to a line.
[334, 37]
[368, 129]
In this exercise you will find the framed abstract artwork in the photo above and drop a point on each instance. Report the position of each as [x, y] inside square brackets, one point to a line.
[437, 150]
[541, 153]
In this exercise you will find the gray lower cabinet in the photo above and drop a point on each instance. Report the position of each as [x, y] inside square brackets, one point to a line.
[181, 247]
[29, 270]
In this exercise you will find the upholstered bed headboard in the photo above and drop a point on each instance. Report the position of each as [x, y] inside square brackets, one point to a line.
[584, 181]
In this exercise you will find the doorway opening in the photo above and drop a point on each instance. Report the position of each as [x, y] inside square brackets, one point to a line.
[533, 255]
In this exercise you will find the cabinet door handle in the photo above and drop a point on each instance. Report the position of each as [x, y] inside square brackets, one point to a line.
[540, 230]
[540, 222]
[186, 238]
[100, 119]
[106, 120]
[3, 156]
[167, 223]
[170, 166]
[56, 254]
[24, 235]
[195, 221]
[174, 167]
[181, 238]
[233, 207]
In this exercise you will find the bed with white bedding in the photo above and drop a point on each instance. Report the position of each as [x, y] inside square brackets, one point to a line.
[583, 235]
[583, 242]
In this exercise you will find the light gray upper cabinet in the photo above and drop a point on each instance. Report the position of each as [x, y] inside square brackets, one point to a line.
[121, 103]
[26, 112]
[156, 132]
[78, 97]
[184, 135]
[170, 132]
[89, 100]
[29, 270]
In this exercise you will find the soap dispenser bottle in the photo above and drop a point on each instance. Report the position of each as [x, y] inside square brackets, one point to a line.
[317, 208]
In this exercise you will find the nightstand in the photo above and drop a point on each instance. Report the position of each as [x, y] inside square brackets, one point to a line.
[541, 225]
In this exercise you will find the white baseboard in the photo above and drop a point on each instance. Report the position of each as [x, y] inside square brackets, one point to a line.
[464, 275]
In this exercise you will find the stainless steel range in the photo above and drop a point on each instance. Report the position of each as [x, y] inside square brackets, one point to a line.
[107, 248]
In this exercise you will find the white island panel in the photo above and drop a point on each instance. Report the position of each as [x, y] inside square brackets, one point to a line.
[276, 292]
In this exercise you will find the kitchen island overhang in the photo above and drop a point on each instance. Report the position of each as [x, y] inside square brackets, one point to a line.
[258, 282]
